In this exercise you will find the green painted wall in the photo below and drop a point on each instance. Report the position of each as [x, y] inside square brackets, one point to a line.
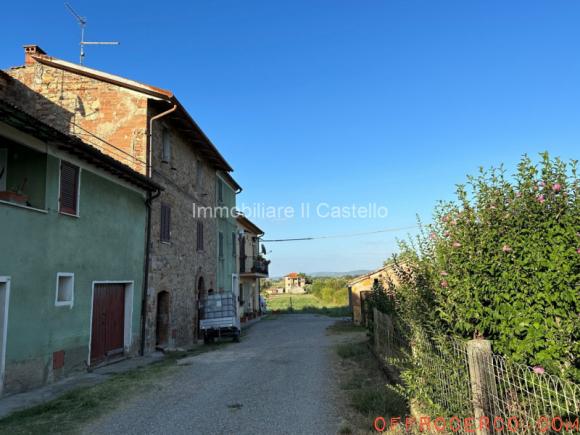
[227, 226]
[105, 243]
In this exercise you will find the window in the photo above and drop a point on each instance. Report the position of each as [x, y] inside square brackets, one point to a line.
[165, 224]
[221, 245]
[65, 285]
[220, 190]
[198, 175]
[200, 236]
[69, 188]
[233, 244]
[166, 138]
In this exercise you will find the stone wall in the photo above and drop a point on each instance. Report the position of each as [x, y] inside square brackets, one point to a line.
[111, 118]
[177, 266]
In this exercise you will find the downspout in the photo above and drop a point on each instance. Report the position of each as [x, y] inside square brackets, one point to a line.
[148, 202]
[151, 120]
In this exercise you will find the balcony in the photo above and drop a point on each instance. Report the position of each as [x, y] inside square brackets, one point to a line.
[254, 267]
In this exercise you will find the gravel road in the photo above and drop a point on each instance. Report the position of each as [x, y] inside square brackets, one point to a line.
[278, 380]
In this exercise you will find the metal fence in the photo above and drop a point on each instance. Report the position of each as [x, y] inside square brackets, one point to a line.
[466, 386]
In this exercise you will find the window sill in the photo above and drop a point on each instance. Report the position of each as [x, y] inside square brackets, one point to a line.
[26, 207]
[63, 304]
[165, 242]
[68, 214]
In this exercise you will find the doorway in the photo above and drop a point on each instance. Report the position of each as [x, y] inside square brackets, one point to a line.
[200, 297]
[162, 329]
[108, 323]
[4, 304]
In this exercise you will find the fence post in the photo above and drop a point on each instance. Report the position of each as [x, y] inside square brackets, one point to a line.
[479, 357]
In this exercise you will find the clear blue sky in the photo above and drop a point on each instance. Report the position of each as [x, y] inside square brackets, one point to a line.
[391, 101]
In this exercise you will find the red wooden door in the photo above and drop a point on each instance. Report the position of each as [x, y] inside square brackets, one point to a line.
[108, 335]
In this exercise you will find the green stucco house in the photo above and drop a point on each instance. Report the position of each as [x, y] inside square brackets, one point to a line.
[72, 259]
[227, 236]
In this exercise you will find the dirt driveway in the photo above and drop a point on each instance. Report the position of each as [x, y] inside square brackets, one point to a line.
[278, 380]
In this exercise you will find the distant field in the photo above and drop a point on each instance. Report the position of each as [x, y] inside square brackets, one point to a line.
[304, 304]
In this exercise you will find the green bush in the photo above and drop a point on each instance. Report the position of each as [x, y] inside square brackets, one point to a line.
[503, 262]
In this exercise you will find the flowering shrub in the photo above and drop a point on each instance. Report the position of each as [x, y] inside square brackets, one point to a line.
[502, 262]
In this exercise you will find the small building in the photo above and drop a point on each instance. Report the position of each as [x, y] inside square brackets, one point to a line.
[73, 230]
[360, 287]
[253, 267]
[294, 283]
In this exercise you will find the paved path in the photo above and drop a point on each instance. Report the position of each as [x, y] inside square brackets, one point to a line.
[278, 380]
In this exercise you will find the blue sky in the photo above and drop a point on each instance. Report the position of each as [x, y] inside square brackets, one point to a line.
[342, 102]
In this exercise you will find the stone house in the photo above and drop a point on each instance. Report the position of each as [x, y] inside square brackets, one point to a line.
[148, 129]
[73, 231]
[294, 283]
[253, 267]
[360, 287]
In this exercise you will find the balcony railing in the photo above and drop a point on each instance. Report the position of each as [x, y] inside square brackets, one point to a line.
[257, 265]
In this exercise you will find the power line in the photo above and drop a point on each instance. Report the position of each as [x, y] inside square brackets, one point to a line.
[341, 236]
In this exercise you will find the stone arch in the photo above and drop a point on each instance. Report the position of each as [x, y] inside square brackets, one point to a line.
[162, 319]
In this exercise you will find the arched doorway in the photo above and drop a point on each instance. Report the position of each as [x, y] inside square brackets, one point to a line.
[200, 297]
[162, 325]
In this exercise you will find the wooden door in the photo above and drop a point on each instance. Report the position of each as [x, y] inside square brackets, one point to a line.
[108, 335]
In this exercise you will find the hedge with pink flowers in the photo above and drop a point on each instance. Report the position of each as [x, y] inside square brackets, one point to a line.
[502, 262]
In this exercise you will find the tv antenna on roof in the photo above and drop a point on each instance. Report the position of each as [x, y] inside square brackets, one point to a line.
[83, 22]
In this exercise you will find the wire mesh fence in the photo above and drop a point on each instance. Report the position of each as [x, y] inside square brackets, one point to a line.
[462, 382]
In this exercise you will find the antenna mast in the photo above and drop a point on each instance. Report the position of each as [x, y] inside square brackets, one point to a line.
[82, 23]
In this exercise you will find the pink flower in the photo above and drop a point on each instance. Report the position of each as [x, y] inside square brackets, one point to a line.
[453, 222]
[556, 187]
[492, 207]
[443, 273]
[432, 236]
[444, 284]
[446, 234]
[456, 244]
[506, 248]
[541, 199]
[542, 184]
[445, 218]
[578, 251]
[518, 194]
[538, 370]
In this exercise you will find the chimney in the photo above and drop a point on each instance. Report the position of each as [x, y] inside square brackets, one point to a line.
[31, 50]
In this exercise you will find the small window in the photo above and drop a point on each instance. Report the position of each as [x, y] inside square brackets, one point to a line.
[65, 285]
[165, 224]
[233, 244]
[198, 175]
[221, 245]
[200, 236]
[69, 188]
[166, 157]
[220, 190]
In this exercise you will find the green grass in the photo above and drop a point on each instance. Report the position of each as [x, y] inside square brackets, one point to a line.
[305, 304]
[67, 413]
[366, 387]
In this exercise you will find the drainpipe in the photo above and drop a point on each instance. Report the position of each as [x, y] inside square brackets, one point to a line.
[150, 198]
[151, 120]
[148, 202]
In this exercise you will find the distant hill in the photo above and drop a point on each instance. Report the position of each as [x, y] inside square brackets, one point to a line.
[336, 274]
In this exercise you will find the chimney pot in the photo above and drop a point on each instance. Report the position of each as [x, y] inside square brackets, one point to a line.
[29, 51]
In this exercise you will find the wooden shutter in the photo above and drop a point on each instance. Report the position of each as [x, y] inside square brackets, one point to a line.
[221, 245]
[69, 186]
[234, 244]
[165, 224]
[200, 236]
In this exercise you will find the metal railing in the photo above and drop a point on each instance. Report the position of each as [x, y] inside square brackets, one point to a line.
[258, 265]
[462, 380]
